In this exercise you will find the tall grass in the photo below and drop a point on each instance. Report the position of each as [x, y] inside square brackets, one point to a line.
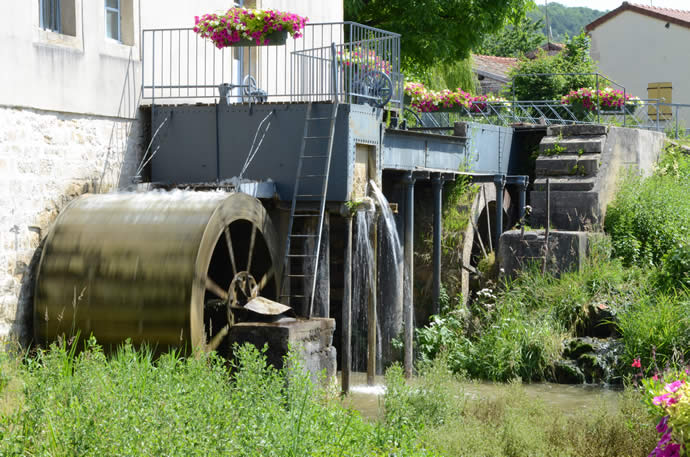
[134, 405]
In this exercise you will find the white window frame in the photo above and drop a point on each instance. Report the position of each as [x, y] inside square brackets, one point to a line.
[117, 10]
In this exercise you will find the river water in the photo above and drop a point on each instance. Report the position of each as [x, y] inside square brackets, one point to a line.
[368, 400]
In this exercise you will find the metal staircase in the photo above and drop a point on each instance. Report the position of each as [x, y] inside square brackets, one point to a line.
[313, 169]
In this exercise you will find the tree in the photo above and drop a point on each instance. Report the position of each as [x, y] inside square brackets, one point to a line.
[513, 40]
[437, 30]
[543, 78]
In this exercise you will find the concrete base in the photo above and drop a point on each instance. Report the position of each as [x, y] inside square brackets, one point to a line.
[312, 338]
[567, 251]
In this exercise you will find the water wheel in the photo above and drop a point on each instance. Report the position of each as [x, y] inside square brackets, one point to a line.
[163, 268]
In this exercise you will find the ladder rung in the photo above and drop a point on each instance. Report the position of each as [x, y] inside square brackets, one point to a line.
[301, 255]
[294, 296]
[319, 118]
[300, 276]
[303, 236]
[308, 195]
[316, 137]
[314, 157]
[312, 176]
[305, 215]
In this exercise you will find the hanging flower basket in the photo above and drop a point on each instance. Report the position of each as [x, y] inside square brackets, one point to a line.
[249, 27]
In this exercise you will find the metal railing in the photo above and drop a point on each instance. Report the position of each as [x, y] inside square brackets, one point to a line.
[179, 66]
[672, 118]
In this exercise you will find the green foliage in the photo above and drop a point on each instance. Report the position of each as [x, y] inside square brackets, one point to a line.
[508, 421]
[675, 268]
[513, 40]
[436, 30]
[649, 217]
[133, 405]
[656, 329]
[564, 21]
[532, 85]
[517, 331]
[451, 75]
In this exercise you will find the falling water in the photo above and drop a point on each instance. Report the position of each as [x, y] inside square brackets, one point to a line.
[362, 276]
[390, 304]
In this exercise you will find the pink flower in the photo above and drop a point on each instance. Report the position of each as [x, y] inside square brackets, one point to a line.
[636, 363]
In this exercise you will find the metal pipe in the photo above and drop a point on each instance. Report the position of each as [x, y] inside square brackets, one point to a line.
[522, 195]
[548, 224]
[408, 308]
[500, 183]
[346, 324]
[371, 309]
[437, 183]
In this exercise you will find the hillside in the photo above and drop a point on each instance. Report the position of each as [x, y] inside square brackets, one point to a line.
[565, 20]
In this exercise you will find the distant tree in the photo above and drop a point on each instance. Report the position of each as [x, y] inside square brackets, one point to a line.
[437, 30]
[541, 78]
[564, 21]
[513, 40]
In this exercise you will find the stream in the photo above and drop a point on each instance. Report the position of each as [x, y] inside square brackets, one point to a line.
[368, 400]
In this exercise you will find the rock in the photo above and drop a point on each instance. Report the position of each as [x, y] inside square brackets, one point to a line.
[576, 347]
[600, 322]
[567, 372]
[591, 367]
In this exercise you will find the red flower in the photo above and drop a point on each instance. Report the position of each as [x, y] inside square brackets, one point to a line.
[636, 363]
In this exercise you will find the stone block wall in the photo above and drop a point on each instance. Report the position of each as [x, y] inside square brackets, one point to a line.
[47, 159]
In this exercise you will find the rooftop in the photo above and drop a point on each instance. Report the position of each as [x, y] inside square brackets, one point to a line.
[674, 16]
[493, 66]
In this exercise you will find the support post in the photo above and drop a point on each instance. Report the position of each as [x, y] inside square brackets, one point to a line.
[522, 195]
[437, 183]
[500, 183]
[408, 311]
[371, 309]
[346, 324]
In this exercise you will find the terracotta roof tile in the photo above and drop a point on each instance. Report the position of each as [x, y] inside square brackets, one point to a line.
[494, 65]
[679, 17]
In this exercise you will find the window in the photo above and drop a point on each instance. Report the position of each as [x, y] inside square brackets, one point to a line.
[112, 20]
[50, 15]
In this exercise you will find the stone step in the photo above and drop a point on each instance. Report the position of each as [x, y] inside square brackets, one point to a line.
[570, 184]
[568, 165]
[554, 145]
[576, 130]
[569, 210]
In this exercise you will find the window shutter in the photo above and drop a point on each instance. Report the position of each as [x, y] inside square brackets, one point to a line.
[663, 92]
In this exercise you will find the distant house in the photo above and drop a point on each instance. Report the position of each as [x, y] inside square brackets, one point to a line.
[492, 72]
[645, 49]
[551, 49]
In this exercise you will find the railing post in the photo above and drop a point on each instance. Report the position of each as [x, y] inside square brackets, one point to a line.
[598, 107]
[677, 108]
[658, 107]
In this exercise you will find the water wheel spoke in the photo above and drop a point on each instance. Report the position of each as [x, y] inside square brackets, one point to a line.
[214, 288]
[228, 241]
[218, 338]
[264, 280]
[250, 254]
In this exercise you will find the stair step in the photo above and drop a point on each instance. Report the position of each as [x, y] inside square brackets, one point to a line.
[554, 145]
[571, 184]
[568, 165]
[576, 130]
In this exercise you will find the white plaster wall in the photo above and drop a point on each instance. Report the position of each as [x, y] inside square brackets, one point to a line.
[635, 50]
[49, 71]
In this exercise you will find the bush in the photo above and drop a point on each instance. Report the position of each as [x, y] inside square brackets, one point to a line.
[656, 329]
[573, 59]
[649, 217]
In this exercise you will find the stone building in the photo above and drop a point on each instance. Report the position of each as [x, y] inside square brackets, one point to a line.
[71, 118]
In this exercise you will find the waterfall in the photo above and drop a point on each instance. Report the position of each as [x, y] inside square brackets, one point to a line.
[362, 275]
[390, 303]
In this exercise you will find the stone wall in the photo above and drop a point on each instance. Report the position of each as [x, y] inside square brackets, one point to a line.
[47, 159]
